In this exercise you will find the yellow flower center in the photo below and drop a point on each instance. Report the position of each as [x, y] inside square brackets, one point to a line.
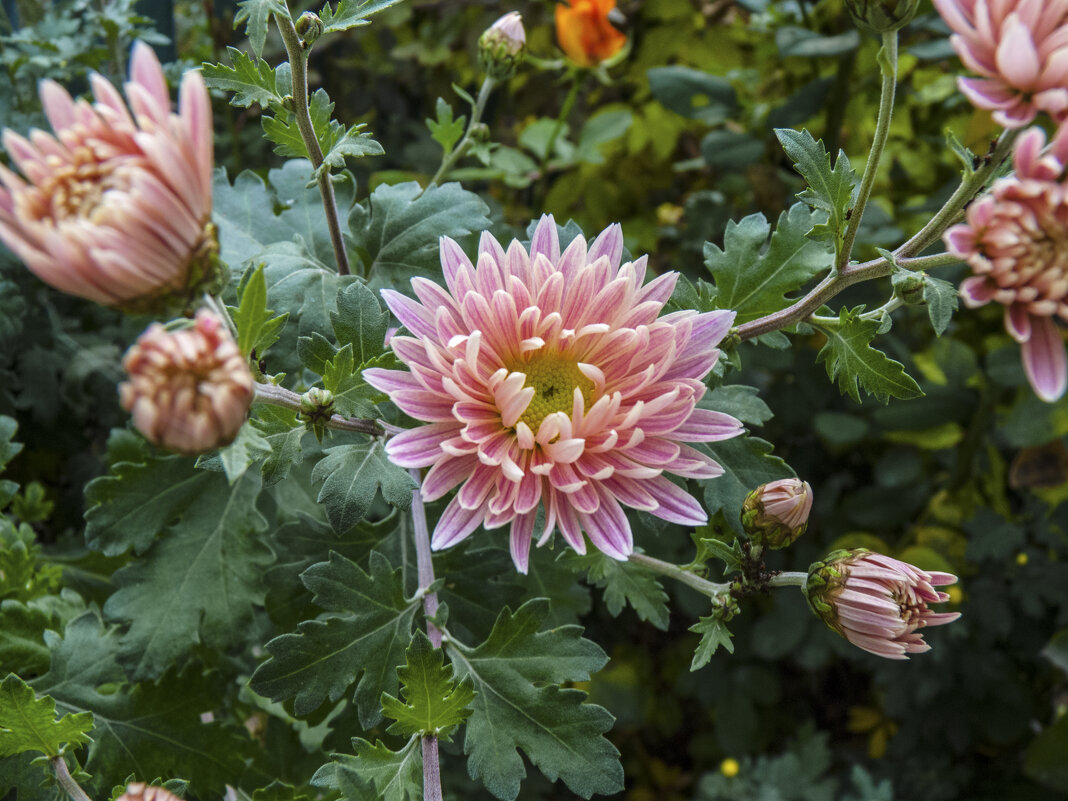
[554, 381]
[77, 189]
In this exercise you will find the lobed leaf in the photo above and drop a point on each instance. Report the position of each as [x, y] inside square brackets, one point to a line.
[434, 702]
[352, 475]
[829, 189]
[28, 723]
[351, 13]
[394, 775]
[257, 327]
[256, 14]
[627, 583]
[250, 79]
[714, 635]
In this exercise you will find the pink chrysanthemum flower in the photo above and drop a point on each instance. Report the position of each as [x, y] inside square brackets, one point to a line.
[877, 603]
[548, 381]
[189, 390]
[776, 514]
[115, 208]
[1020, 47]
[1016, 242]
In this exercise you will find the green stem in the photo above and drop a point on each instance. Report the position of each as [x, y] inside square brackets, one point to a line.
[882, 131]
[298, 62]
[476, 117]
[287, 399]
[788, 580]
[703, 586]
[66, 781]
[565, 112]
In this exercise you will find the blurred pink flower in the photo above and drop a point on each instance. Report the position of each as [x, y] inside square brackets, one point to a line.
[1015, 239]
[1020, 47]
[139, 791]
[876, 602]
[190, 389]
[548, 381]
[115, 208]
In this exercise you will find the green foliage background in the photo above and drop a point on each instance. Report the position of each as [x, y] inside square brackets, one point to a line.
[969, 478]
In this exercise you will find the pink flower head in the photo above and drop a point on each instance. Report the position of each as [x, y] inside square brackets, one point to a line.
[776, 514]
[190, 389]
[1020, 47]
[1015, 240]
[877, 603]
[115, 208]
[548, 381]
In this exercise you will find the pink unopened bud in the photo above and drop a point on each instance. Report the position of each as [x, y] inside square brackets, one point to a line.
[876, 602]
[189, 390]
[776, 514]
[502, 47]
[139, 791]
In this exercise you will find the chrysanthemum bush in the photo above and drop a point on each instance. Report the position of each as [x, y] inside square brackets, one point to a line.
[382, 434]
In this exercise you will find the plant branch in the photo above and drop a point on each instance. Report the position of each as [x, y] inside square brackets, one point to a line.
[66, 781]
[788, 579]
[280, 396]
[476, 117]
[298, 62]
[703, 586]
[565, 112]
[425, 566]
[888, 60]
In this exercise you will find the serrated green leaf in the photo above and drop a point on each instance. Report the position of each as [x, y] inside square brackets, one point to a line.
[445, 130]
[250, 80]
[151, 729]
[284, 433]
[365, 639]
[353, 144]
[942, 300]
[747, 463]
[753, 281]
[352, 475]
[849, 357]
[22, 648]
[399, 230]
[351, 13]
[257, 327]
[283, 131]
[728, 553]
[198, 584]
[316, 352]
[234, 459]
[393, 775]
[520, 706]
[279, 791]
[353, 397]
[740, 401]
[238, 212]
[360, 321]
[256, 14]
[28, 723]
[434, 702]
[714, 634]
[627, 583]
[23, 576]
[8, 448]
[829, 189]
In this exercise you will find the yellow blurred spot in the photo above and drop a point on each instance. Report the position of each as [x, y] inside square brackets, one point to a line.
[1021, 558]
[729, 767]
[955, 593]
[668, 214]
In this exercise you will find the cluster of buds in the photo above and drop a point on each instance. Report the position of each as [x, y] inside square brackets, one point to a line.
[776, 514]
[189, 390]
[316, 409]
[878, 603]
[502, 47]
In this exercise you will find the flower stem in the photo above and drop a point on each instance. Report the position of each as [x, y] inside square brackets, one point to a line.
[882, 130]
[280, 396]
[565, 112]
[425, 566]
[298, 62]
[476, 117]
[788, 579]
[66, 781]
[703, 586]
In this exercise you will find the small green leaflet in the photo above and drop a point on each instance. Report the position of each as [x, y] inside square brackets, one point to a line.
[445, 130]
[830, 190]
[520, 705]
[351, 475]
[250, 80]
[364, 639]
[754, 281]
[626, 582]
[283, 432]
[234, 459]
[434, 702]
[353, 144]
[28, 723]
[395, 775]
[849, 357]
[360, 321]
[351, 13]
[257, 327]
[279, 791]
[353, 397]
[712, 542]
[22, 647]
[714, 634]
[257, 16]
[942, 300]
[8, 451]
[335, 140]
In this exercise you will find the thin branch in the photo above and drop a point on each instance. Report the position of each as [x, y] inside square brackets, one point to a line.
[476, 117]
[787, 579]
[703, 586]
[280, 396]
[298, 62]
[66, 781]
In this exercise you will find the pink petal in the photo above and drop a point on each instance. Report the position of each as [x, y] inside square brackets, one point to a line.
[1044, 359]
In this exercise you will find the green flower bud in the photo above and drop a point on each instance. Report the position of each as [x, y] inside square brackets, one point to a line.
[908, 286]
[316, 404]
[776, 514]
[309, 27]
[881, 16]
[502, 47]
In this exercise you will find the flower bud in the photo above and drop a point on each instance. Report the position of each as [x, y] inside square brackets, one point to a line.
[908, 286]
[309, 27]
[881, 16]
[776, 514]
[190, 389]
[876, 602]
[316, 404]
[139, 791]
[502, 47]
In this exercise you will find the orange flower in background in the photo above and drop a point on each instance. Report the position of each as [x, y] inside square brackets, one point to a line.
[584, 32]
